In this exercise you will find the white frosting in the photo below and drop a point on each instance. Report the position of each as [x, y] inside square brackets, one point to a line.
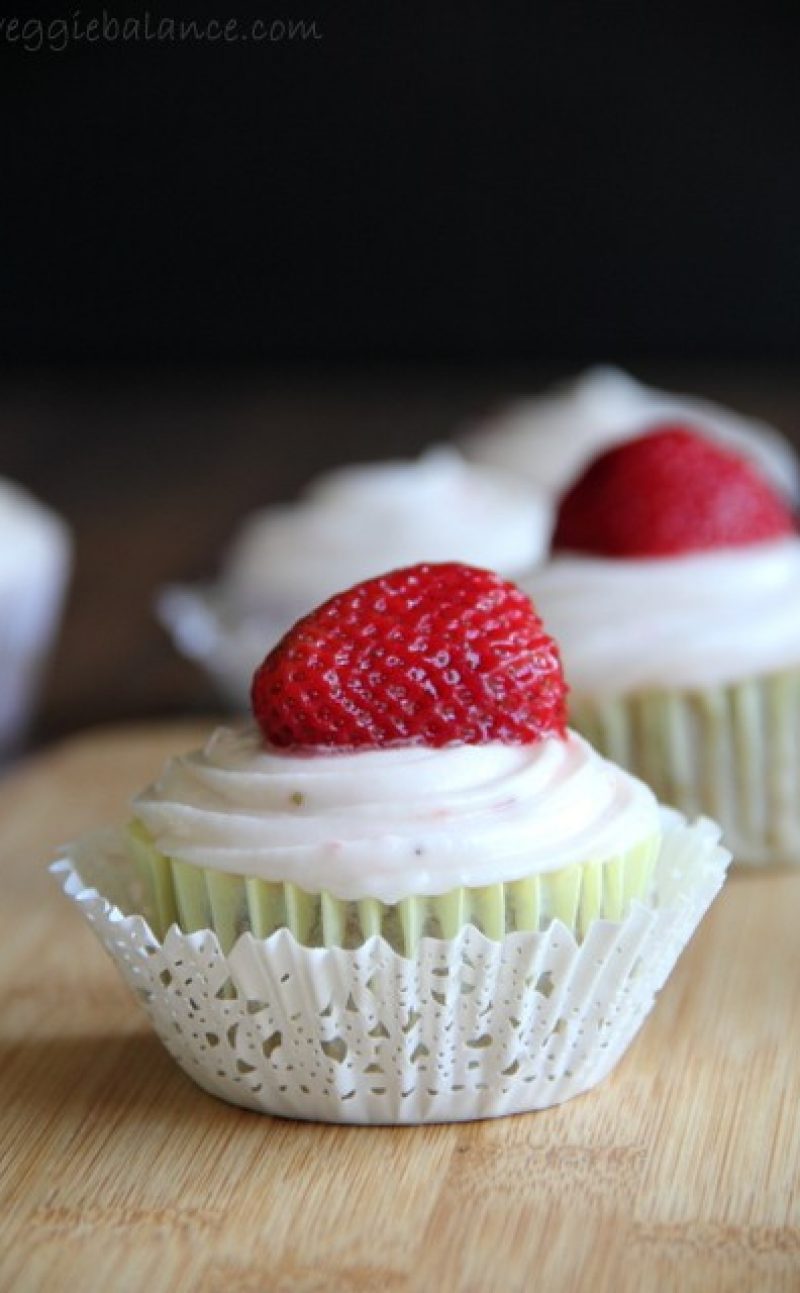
[692, 621]
[32, 538]
[361, 521]
[35, 563]
[550, 439]
[391, 823]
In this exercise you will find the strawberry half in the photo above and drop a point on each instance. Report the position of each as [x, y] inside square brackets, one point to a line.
[669, 492]
[431, 655]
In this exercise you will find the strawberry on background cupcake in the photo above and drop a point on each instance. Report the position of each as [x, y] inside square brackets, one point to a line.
[674, 589]
[549, 439]
[407, 891]
[348, 524]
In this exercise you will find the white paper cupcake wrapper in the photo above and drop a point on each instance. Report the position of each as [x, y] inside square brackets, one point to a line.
[468, 1028]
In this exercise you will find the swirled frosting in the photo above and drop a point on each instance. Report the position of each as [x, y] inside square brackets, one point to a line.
[361, 521]
[691, 621]
[550, 439]
[394, 822]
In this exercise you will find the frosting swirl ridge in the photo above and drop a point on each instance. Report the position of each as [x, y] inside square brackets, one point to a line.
[394, 822]
[698, 620]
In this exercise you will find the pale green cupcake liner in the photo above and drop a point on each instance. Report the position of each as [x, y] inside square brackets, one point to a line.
[731, 752]
[195, 898]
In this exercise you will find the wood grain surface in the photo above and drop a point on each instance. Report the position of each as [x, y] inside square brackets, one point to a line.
[679, 1172]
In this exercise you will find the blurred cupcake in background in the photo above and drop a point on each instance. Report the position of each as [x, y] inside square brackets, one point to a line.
[35, 563]
[548, 439]
[674, 590]
[348, 524]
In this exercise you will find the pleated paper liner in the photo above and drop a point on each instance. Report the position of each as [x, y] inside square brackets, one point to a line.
[195, 898]
[466, 1027]
[732, 752]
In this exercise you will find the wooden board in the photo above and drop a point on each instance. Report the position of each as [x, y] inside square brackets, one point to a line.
[680, 1172]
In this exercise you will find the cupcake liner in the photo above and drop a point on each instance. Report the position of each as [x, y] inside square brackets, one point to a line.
[730, 751]
[468, 1027]
[231, 905]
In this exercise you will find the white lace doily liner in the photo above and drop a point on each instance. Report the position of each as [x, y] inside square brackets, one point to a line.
[469, 1028]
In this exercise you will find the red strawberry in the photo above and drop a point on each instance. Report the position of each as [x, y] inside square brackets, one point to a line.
[430, 655]
[669, 491]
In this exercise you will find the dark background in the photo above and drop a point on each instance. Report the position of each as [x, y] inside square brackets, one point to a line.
[426, 182]
[227, 266]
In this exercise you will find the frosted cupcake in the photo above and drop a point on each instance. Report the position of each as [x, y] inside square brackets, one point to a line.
[550, 439]
[407, 892]
[349, 524]
[35, 560]
[674, 590]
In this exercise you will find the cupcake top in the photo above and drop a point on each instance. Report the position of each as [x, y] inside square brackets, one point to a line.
[549, 439]
[31, 536]
[389, 823]
[358, 521]
[674, 565]
[410, 739]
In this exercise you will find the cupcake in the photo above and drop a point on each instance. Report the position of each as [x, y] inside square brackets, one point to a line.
[406, 892]
[673, 588]
[286, 560]
[35, 560]
[550, 439]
